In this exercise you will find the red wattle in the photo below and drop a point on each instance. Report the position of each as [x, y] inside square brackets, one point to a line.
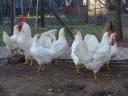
[20, 26]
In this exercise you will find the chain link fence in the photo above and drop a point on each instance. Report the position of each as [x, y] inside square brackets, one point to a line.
[73, 15]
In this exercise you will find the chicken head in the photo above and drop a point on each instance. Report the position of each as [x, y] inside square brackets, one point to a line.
[20, 24]
[113, 38]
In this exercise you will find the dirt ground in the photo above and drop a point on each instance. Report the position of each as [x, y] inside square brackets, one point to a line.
[60, 80]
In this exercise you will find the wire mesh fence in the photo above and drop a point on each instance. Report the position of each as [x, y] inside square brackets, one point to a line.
[71, 15]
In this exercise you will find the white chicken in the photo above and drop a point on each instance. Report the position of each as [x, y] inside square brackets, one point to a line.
[60, 45]
[47, 38]
[41, 54]
[114, 48]
[76, 42]
[25, 40]
[92, 42]
[10, 42]
[92, 61]
[44, 55]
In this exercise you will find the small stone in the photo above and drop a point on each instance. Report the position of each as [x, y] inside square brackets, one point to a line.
[31, 78]
[50, 94]
[49, 90]
[125, 79]
[118, 76]
[123, 92]
[70, 80]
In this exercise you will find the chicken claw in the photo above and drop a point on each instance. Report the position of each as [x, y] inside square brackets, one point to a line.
[108, 67]
[78, 69]
[26, 61]
[31, 62]
[95, 76]
[56, 61]
[39, 69]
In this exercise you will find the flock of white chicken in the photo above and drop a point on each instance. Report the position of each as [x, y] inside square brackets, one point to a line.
[91, 53]
[45, 47]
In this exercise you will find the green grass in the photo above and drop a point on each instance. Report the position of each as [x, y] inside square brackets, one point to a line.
[2, 28]
[84, 29]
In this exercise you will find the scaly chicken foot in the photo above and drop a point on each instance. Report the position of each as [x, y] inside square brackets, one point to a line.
[12, 52]
[26, 61]
[78, 69]
[108, 66]
[40, 68]
[16, 51]
[95, 76]
[56, 61]
[31, 62]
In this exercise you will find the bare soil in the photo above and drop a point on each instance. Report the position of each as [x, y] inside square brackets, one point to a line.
[61, 80]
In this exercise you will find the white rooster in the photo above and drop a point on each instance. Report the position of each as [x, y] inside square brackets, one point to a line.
[24, 39]
[92, 61]
[10, 42]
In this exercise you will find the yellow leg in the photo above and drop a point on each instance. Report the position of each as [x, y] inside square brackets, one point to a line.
[43, 67]
[16, 50]
[94, 75]
[39, 69]
[56, 61]
[26, 61]
[12, 52]
[78, 68]
[108, 67]
[31, 62]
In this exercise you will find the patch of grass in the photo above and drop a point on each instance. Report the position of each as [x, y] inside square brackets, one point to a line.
[2, 28]
[84, 29]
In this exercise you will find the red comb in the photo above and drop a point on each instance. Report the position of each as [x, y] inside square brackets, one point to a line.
[23, 20]
[20, 24]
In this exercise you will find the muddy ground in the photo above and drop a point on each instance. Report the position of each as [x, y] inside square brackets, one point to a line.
[61, 80]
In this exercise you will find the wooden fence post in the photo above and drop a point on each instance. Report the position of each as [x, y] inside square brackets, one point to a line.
[12, 15]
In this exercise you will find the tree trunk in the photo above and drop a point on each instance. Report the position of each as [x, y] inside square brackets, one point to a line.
[12, 15]
[42, 13]
[87, 5]
[127, 1]
[95, 8]
[116, 18]
[1, 15]
[22, 8]
[51, 9]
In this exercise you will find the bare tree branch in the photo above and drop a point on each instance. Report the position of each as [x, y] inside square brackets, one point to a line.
[102, 2]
